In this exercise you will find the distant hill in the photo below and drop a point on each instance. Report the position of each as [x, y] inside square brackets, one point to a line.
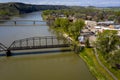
[115, 8]
[15, 8]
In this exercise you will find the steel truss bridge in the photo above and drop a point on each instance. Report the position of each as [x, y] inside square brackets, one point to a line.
[36, 43]
[22, 23]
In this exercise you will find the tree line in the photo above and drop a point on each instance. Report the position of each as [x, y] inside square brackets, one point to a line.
[71, 28]
[96, 14]
[15, 8]
[107, 43]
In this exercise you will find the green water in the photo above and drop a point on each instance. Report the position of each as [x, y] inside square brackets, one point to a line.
[47, 65]
[53, 66]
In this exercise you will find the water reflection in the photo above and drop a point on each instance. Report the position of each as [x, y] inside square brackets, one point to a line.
[45, 65]
[10, 33]
[61, 66]
[37, 51]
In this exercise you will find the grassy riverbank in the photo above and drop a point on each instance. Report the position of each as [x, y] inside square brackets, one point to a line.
[115, 71]
[99, 72]
[63, 26]
[89, 57]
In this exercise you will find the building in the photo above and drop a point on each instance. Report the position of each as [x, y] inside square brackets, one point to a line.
[111, 27]
[114, 26]
[90, 23]
[72, 19]
[81, 39]
[106, 23]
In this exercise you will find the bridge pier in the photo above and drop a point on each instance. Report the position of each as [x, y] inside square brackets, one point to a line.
[33, 22]
[15, 23]
[8, 53]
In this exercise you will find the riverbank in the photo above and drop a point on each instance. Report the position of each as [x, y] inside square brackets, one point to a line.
[36, 65]
[88, 56]
[115, 71]
[97, 70]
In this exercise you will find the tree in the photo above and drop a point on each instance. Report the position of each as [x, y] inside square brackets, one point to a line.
[75, 28]
[4, 12]
[114, 58]
[107, 41]
[118, 16]
[57, 23]
[87, 43]
[64, 23]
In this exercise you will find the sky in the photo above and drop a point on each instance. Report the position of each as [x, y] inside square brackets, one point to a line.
[99, 3]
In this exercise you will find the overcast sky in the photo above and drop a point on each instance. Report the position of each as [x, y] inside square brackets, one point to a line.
[70, 2]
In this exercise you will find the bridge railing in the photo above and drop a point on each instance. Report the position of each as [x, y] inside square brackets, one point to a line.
[39, 42]
[2, 47]
[22, 23]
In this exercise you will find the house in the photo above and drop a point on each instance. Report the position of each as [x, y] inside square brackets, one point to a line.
[72, 19]
[105, 23]
[114, 26]
[62, 16]
[111, 27]
[81, 39]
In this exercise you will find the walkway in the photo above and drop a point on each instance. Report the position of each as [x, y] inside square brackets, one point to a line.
[92, 38]
[96, 55]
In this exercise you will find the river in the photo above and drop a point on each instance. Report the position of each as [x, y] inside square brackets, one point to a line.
[50, 65]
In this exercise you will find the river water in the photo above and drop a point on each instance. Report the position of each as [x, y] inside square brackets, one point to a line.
[39, 65]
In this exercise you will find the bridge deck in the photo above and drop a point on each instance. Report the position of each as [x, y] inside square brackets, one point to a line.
[40, 47]
[22, 23]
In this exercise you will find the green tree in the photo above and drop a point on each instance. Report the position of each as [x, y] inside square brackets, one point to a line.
[87, 43]
[4, 12]
[75, 28]
[57, 23]
[107, 42]
[64, 23]
[114, 58]
[118, 16]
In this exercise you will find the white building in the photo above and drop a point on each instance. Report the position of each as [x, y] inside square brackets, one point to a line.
[111, 27]
[106, 23]
[81, 39]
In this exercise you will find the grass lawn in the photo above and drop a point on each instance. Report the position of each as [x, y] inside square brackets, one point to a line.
[99, 72]
[116, 72]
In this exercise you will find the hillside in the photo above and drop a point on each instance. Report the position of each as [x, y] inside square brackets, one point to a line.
[10, 9]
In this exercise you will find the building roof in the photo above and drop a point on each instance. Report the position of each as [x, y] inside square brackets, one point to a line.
[116, 26]
[106, 22]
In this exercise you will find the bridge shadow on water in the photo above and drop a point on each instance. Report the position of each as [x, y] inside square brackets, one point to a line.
[16, 53]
